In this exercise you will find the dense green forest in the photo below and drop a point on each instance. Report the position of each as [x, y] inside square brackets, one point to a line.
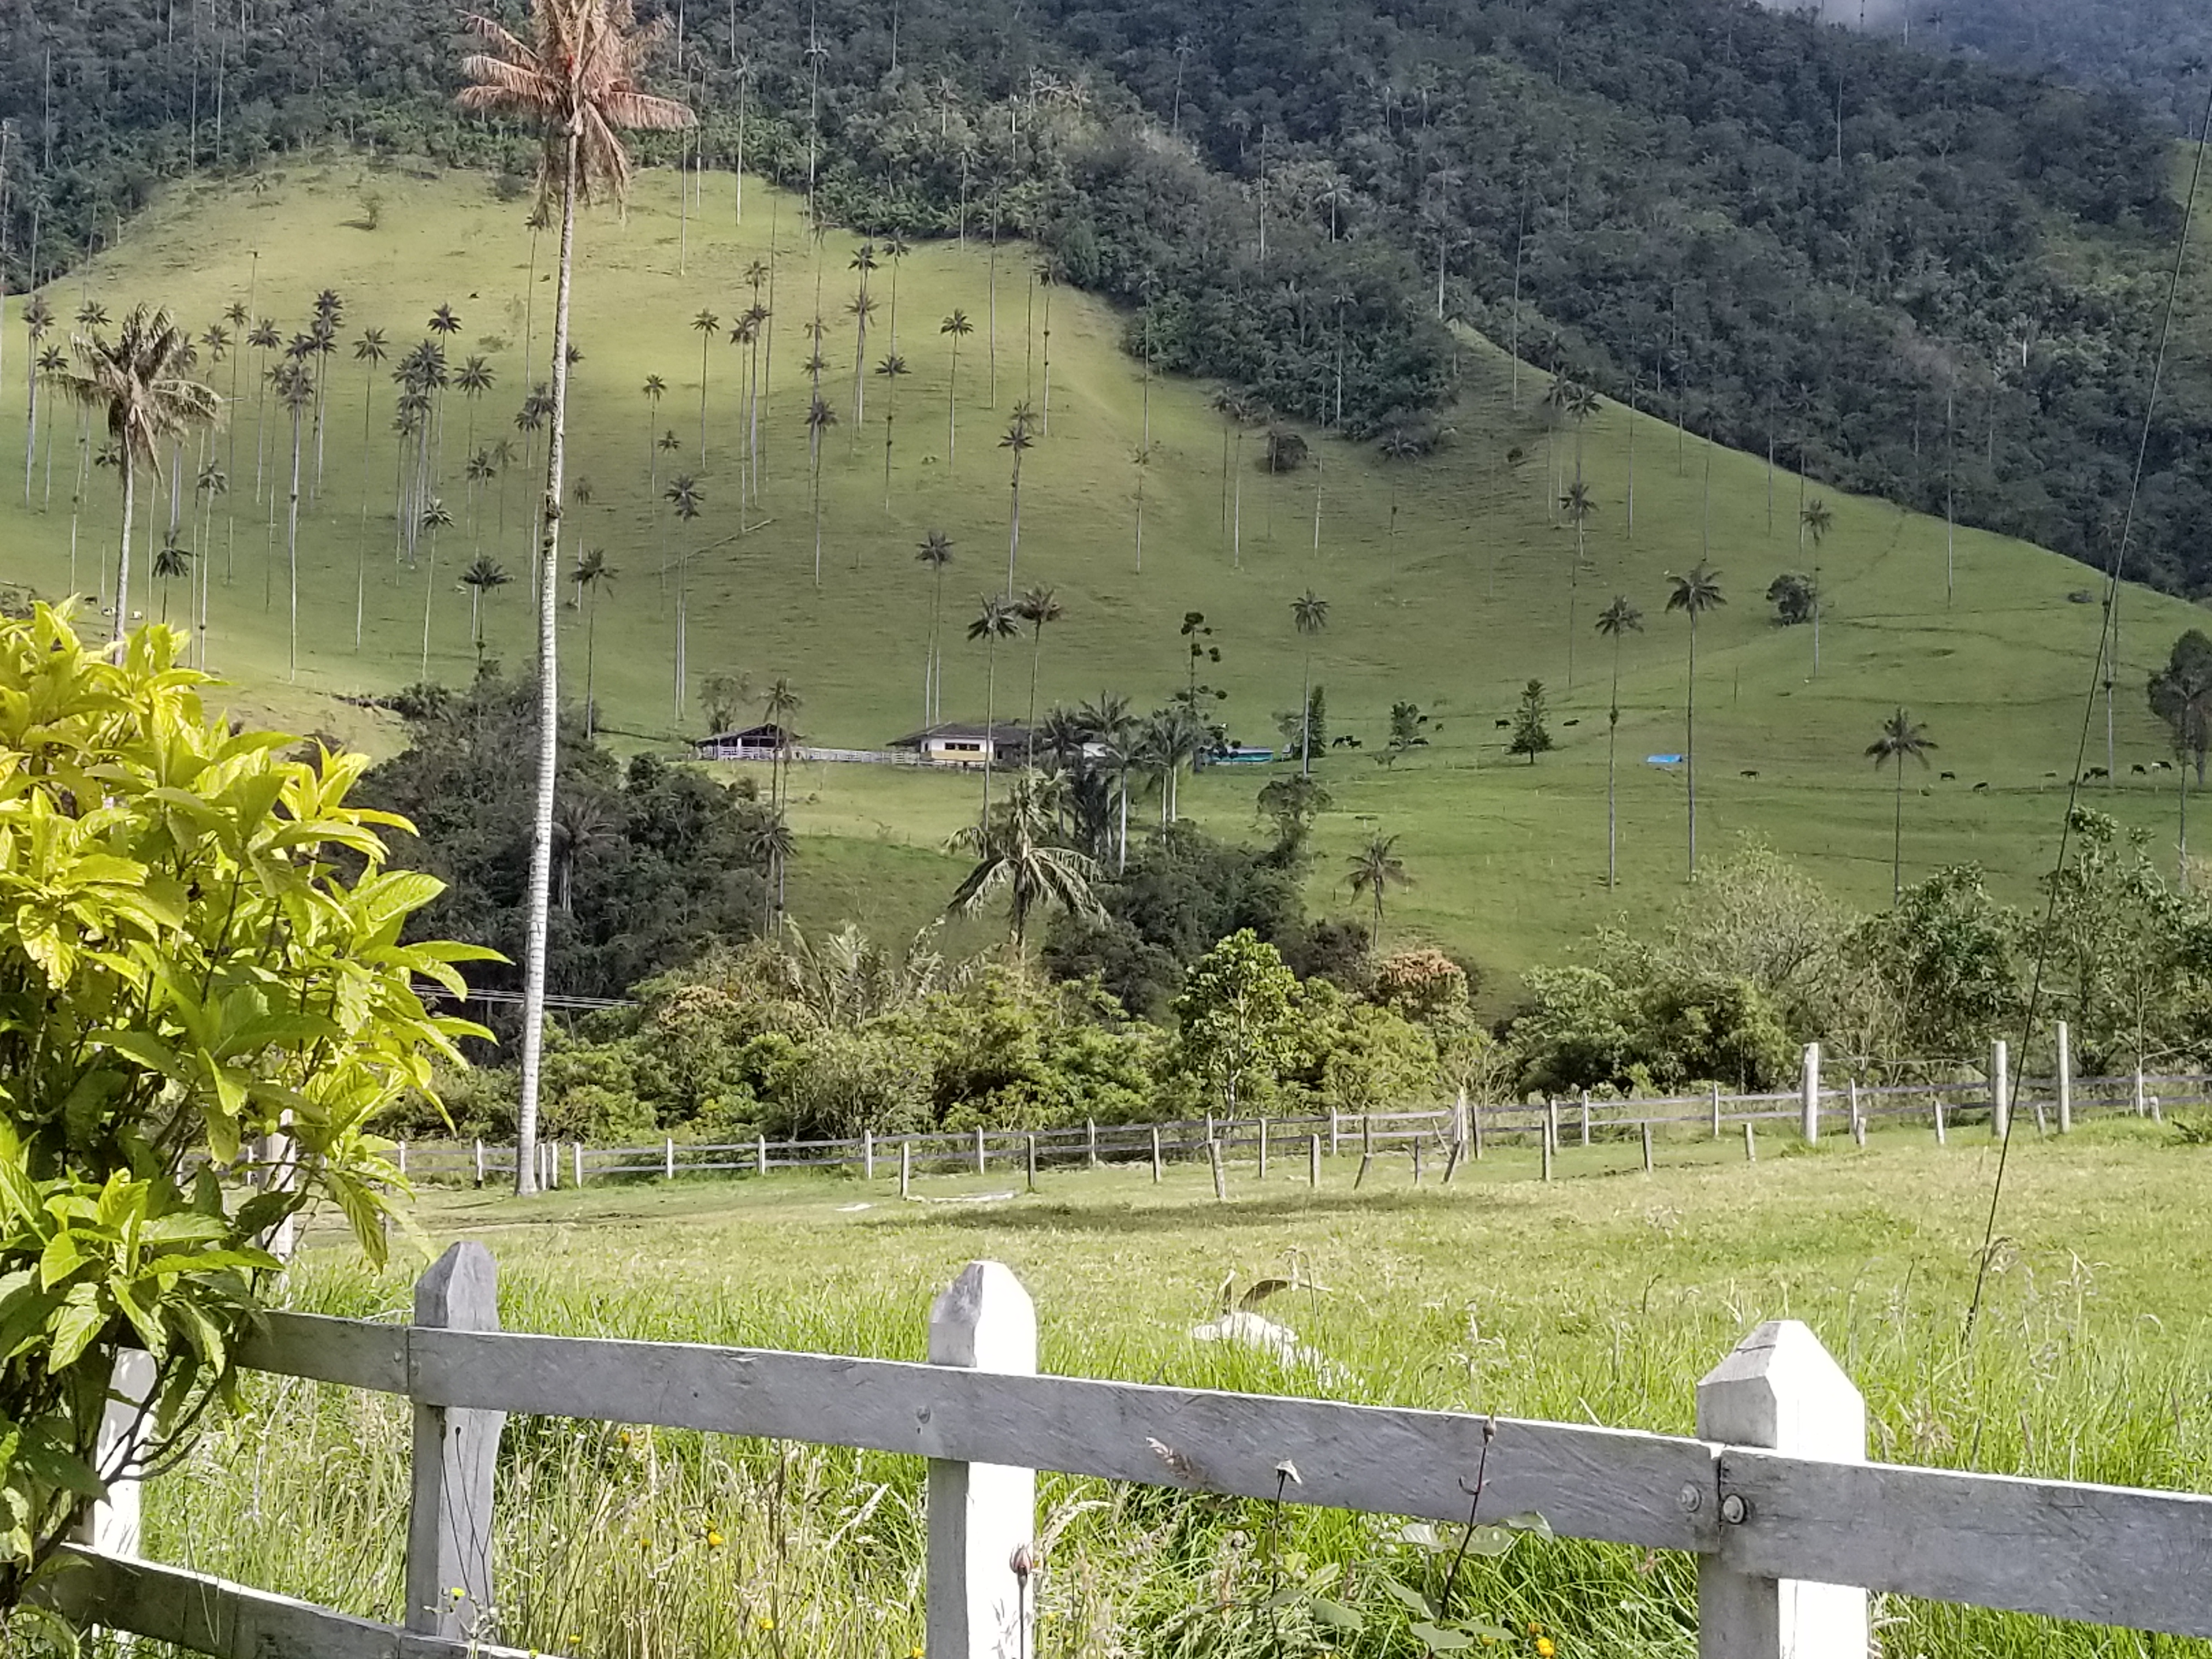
[1795, 238]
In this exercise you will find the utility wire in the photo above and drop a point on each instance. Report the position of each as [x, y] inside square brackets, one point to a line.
[2104, 666]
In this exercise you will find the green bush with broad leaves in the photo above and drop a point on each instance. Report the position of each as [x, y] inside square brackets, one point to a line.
[201, 972]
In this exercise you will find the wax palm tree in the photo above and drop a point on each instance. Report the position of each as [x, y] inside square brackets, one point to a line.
[1693, 595]
[297, 394]
[935, 552]
[820, 417]
[893, 369]
[38, 318]
[1013, 852]
[1900, 740]
[778, 704]
[476, 378]
[1017, 442]
[584, 824]
[655, 389]
[132, 383]
[1578, 405]
[264, 338]
[860, 308]
[592, 573]
[1375, 870]
[997, 620]
[1616, 621]
[957, 328]
[1578, 506]
[1398, 448]
[432, 518]
[705, 325]
[1309, 616]
[771, 844]
[1037, 607]
[484, 576]
[576, 79]
[1814, 522]
[170, 562]
[688, 499]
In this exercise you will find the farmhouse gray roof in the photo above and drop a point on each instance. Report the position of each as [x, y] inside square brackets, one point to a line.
[998, 731]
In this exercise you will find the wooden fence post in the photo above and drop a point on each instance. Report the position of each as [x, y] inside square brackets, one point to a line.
[480, 1167]
[1335, 1133]
[982, 1517]
[1858, 1121]
[1417, 1163]
[1586, 1120]
[867, 1155]
[1646, 1126]
[1552, 1124]
[1029, 1148]
[112, 1525]
[1808, 1109]
[668, 1158]
[2065, 1080]
[1263, 1149]
[905, 1168]
[2139, 1106]
[1779, 1391]
[1091, 1140]
[760, 1152]
[1459, 1120]
[1474, 1127]
[1547, 1157]
[399, 1155]
[1157, 1173]
[1717, 1111]
[1313, 1160]
[1366, 1135]
[1750, 1143]
[1941, 1139]
[1451, 1160]
[1999, 1108]
[576, 1159]
[449, 1526]
[979, 1149]
[1213, 1158]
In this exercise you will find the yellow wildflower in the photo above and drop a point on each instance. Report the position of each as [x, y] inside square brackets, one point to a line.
[765, 1622]
[1544, 1648]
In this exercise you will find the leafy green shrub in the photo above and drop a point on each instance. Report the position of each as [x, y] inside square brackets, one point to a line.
[199, 953]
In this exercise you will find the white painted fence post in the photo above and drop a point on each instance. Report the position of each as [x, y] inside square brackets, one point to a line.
[576, 1160]
[1781, 1391]
[1156, 1171]
[2140, 1108]
[1809, 1108]
[979, 1150]
[1091, 1143]
[2065, 1079]
[906, 1167]
[399, 1157]
[867, 1155]
[480, 1164]
[1313, 1160]
[1459, 1120]
[668, 1158]
[111, 1526]
[449, 1523]
[760, 1153]
[1586, 1117]
[1717, 1111]
[1263, 1149]
[2000, 1107]
[981, 1516]
[1335, 1133]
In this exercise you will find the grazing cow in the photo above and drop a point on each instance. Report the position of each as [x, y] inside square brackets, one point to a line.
[1574, 722]
[1501, 725]
[2094, 774]
[1947, 777]
[1747, 773]
[2161, 766]
[1980, 789]
[2139, 770]
[2053, 776]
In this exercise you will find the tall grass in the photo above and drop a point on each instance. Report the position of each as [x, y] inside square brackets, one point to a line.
[1595, 1302]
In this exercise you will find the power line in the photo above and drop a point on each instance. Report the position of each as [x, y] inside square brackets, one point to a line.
[2104, 667]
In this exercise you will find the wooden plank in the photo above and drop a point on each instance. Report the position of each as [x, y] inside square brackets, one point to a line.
[982, 1517]
[352, 1351]
[2103, 1554]
[449, 1510]
[1609, 1483]
[208, 1615]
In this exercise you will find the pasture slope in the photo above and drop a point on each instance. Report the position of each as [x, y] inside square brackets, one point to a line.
[1470, 596]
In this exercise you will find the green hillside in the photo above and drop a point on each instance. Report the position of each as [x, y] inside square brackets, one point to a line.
[1468, 600]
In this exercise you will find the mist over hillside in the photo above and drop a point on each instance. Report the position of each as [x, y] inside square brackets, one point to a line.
[2156, 49]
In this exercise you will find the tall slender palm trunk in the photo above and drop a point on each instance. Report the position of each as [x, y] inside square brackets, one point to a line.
[1690, 744]
[122, 560]
[292, 557]
[1897, 841]
[990, 747]
[1305, 723]
[1611, 752]
[540, 890]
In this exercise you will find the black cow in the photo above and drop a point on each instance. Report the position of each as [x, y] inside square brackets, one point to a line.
[1947, 777]
[1980, 787]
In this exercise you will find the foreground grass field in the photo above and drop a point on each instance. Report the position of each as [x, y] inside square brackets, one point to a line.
[1601, 1298]
[1451, 579]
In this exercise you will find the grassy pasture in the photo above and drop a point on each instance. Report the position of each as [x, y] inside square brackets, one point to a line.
[1472, 596]
[1601, 1298]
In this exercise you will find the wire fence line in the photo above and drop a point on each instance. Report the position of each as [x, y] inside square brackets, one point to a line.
[1461, 1131]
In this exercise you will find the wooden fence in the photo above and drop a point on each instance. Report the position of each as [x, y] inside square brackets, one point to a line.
[1790, 1524]
[1464, 1131]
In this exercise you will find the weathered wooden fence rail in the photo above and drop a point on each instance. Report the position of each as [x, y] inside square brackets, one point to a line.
[1791, 1526]
[1818, 1104]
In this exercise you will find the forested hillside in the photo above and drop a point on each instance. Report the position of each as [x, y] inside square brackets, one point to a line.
[1790, 236]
